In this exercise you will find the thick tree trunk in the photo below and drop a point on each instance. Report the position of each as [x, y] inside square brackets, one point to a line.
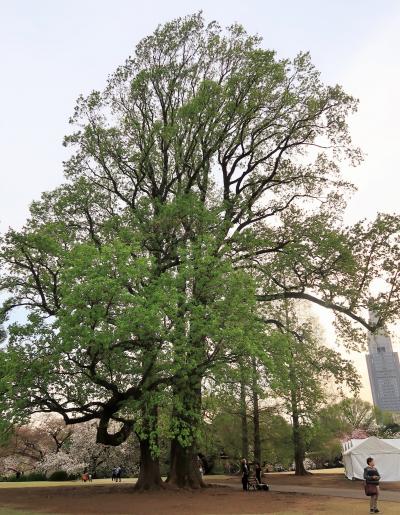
[256, 415]
[184, 467]
[149, 474]
[243, 416]
[184, 464]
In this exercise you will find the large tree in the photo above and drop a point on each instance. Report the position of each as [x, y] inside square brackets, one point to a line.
[205, 158]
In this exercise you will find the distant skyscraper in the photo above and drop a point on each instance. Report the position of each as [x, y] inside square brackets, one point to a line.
[384, 371]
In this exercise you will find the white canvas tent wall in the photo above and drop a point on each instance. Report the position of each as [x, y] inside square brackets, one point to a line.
[386, 454]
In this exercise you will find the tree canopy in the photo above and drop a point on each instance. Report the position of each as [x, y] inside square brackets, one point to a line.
[203, 187]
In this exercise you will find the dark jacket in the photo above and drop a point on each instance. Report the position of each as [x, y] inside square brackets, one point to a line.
[369, 473]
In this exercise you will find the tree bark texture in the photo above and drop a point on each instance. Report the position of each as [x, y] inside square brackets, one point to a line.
[256, 415]
[243, 416]
[184, 464]
[298, 445]
[149, 474]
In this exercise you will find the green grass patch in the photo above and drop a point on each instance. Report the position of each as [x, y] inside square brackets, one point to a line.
[9, 511]
[41, 484]
[30, 484]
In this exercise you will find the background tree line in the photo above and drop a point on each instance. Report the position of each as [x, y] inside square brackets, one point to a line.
[48, 447]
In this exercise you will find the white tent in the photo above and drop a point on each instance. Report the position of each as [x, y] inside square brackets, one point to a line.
[385, 452]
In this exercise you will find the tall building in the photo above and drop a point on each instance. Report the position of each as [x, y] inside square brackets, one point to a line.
[384, 371]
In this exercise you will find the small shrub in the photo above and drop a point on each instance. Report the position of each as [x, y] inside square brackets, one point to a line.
[13, 478]
[59, 475]
[35, 476]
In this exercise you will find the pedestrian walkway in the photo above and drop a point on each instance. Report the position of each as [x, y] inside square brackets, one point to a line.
[385, 495]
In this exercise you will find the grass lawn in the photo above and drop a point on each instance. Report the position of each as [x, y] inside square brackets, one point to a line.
[41, 484]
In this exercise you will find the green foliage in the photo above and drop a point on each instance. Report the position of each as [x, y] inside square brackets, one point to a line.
[304, 367]
[357, 414]
[116, 303]
[277, 445]
[222, 432]
[348, 418]
[36, 476]
[329, 428]
[33, 476]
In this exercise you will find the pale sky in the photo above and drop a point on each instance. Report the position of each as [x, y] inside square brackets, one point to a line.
[53, 50]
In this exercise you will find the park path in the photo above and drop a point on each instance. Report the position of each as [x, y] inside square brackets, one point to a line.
[385, 495]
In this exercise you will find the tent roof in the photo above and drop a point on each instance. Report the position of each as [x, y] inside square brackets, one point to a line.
[373, 445]
[392, 441]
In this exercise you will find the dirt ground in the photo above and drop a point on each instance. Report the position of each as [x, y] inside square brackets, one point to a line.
[120, 499]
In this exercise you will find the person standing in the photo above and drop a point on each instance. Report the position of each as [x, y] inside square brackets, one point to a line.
[372, 478]
[118, 474]
[245, 474]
